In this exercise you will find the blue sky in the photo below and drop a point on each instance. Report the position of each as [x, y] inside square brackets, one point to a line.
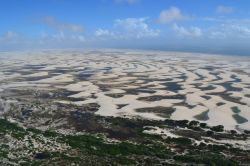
[217, 26]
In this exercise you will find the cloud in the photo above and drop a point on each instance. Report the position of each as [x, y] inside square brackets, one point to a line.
[61, 26]
[131, 2]
[103, 32]
[231, 31]
[136, 27]
[61, 37]
[129, 28]
[243, 30]
[171, 15]
[64, 32]
[80, 38]
[217, 35]
[192, 31]
[65, 35]
[10, 37]
[224, 10]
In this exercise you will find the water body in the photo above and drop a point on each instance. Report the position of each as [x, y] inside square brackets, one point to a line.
[173, 86]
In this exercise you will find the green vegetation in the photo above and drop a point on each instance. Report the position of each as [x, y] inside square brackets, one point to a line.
[208, 159]
[11, 128]
[87, 145]
[88, 149]
[193, 123]
[203, 125]
[180, 140]
[218, 128]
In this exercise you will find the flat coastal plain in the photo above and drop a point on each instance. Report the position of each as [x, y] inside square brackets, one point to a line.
[204, 98]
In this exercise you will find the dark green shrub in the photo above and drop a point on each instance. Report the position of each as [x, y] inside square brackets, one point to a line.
[218, 128]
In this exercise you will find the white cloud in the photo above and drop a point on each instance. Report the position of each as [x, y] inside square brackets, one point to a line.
[103, 32]
[230, 30]
[192, 31]
[62, 37]
[127, 1]
[81, 38]
[217, 35]
[61, 26]
[59, 36]
[171, 15]
[10, 37]
[224, 9]
[65, 32]
[129, 28]
[243, 30]
[136, 27]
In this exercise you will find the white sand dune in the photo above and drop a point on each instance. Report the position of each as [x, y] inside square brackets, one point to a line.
[132, 75]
